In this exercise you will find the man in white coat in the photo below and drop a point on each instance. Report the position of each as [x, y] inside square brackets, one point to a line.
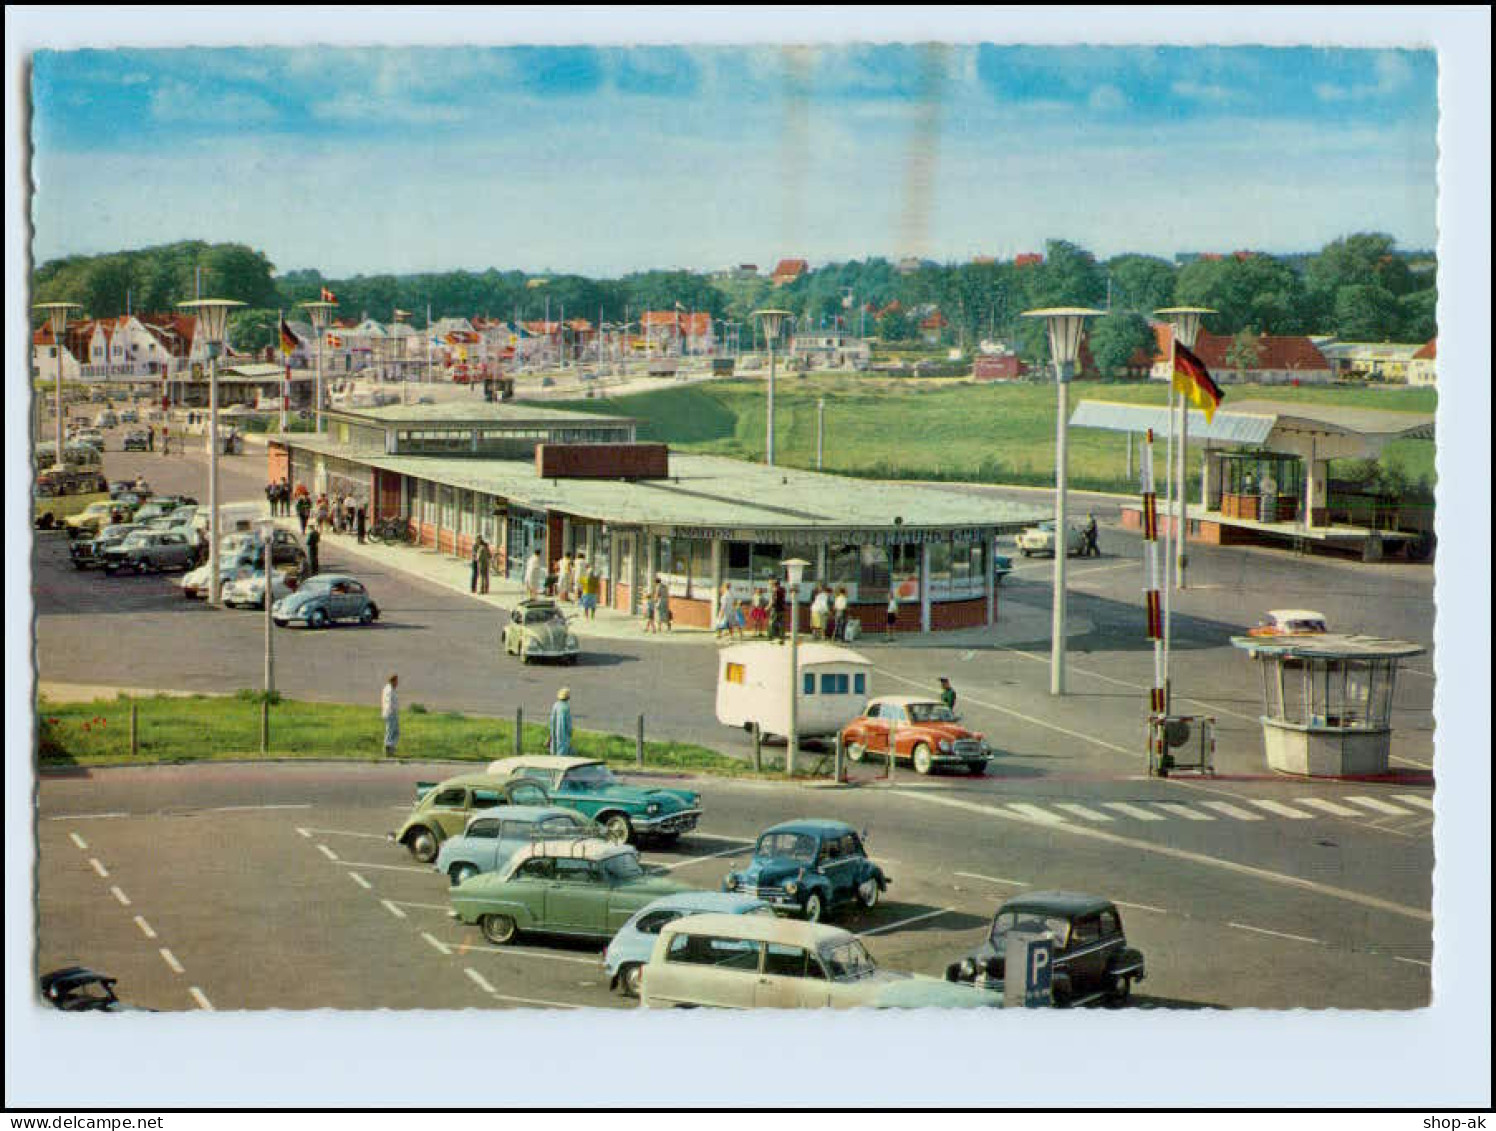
[389, 711]
[534, 576]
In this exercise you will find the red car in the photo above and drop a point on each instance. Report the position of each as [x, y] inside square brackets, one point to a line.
[926, 732]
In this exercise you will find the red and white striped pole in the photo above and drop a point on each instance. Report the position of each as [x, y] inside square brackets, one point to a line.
[1158, 697]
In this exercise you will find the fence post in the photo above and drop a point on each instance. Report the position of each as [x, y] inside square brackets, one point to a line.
[758, 750]
[639, 745]
[519, 731]
[134, 729]
[838, 767]
[265, 725]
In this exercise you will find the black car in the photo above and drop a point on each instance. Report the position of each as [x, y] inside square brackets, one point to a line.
[1091, 959]
[91, 551]
[136, 441]
[77, 989]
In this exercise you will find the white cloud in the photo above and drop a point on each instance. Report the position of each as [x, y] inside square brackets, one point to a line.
[1203, 92]
[179, 102]
[1107, 98]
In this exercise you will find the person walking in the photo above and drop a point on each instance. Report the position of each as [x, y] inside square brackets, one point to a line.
[891, 615]
[947, 694]
[485, 564]
[738, 619]
[776, 612]
[651, 606]
[1092, 549]
[480, 550]
[758, 611]
[361, 521]
[839, 615]
[313, 541]
[389, 711]
[534, 576]
[303, 511]
[150, 437]
[350, 512]
[563, 578]
[662, 603]
[560, 726]
[591, 586]
[270, 493]
[722, 615]
[820, 606]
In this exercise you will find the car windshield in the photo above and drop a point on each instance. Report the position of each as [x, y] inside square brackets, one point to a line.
[624, 866]
[542, 616]
[848, 961]
[137, 537]
[314, 585]
[588, 777]
[794, 846]
[115, 531]
[931, 713]
[1007, 920]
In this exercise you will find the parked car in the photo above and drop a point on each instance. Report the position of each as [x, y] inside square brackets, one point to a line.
[626, 812]
[86, 552]
[443, 809]
[90, 436]
[490, 839]
[810, 868]
[1291, 622]
[129, 416]
[246, 589]
[1040, 539]
[1091, 959]
[537, 630]
[106, 419]
[143, 550]
[324, 599]
[635, 940]
[585, 888]
[77, 989]
[136, 441]
[156, 508]
[236, 552]
[94, 517]
[750, 961]
[925, 731]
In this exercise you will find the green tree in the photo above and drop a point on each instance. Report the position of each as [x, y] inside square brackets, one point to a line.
[1251, 290]
[1113, 341]
[1141, 283]
[1367, 313]
[1365, 259]
[253, 330]
[1418, 312]
[1069, 276]
[1245, 350]
[895, 326]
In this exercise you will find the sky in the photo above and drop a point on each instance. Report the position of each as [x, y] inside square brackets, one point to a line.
[604, 160]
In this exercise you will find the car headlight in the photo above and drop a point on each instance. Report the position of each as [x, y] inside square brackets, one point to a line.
[944, 746]
[791, 888]
[968, 968]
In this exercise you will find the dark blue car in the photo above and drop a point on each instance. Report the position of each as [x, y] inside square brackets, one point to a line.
[809, 868]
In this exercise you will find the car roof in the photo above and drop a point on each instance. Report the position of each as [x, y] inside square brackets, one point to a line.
[503, 767]
[537, 603]
[820, 826]
[535, 813]
[906, 700]
[587, 848]
[1056, 903]
[762, 928]
[1295, 614]
[715, 902]
[330, 578]
[473, 779]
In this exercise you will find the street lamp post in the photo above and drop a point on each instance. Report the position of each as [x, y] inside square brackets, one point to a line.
[771, 320]
[321, 314]
[794, 570]
[267, 547]
[212, 320]
[1186, 323]
[1066, 324]
[57, 320]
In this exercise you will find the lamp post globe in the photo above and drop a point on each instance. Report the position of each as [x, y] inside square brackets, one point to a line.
[1066, 326]
[320, 314]
[772, 321]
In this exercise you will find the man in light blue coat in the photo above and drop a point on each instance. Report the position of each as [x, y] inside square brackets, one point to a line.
[561, 722]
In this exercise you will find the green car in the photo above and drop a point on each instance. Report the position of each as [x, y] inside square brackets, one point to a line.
[627, 813]
[443, 808]
[584, 888]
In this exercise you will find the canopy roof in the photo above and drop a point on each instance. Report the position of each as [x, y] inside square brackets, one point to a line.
[1326, 647]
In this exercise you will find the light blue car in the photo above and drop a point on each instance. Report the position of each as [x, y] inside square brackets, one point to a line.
[493, 837]
[635, 940]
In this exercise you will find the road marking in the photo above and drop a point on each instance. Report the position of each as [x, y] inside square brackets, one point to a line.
[1278, 808]
[361, 882]
[538, 1001]
[968, 655]
[255, 808]
[1035, 813]
[904, 922]
[699, 859]
[145, 928]
[87, 816]
[306, 833]
[344, 832]
[993, 879]
[479, 980]
[329, 853]
[171, 960]
[79, 841]
[1112, 746]
[442, 907]
[732, 839]
[1415, 799]
[1276, 934]
[1376, 804]
[1231, 810]
[1141, 907]
[441, 947]
[99, 868]
[1325, 805]
[1081, 811]
[426, 871]
[1180, 809]
[393, 909]
[525, 952]
[1411, 961]
[201, 998]
[1201, 858]
[121, 896]
[1132, 811]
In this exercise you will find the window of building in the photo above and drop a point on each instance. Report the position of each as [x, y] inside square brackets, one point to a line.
[833, 683]
[859, 684]
[808, 684]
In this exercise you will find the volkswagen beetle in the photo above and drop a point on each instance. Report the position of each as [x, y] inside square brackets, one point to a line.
[537, 630]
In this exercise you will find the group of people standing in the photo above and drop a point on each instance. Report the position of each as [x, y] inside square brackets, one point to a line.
[575, 579]
[343, 514]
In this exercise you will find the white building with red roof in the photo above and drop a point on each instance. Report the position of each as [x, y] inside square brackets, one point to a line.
[1281, 359]
[1421, 367]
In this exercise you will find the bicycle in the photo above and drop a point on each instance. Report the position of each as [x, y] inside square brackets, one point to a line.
[393, 531]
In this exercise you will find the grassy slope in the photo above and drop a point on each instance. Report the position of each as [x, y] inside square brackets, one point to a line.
[929, 429]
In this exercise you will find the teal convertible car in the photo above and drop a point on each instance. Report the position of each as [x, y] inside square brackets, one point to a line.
[627, 813]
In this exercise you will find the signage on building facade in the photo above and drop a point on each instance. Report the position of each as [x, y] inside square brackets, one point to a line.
[893, 537]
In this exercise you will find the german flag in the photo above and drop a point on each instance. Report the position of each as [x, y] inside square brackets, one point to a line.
[328, 296]
[1192, 379]
[289, 340]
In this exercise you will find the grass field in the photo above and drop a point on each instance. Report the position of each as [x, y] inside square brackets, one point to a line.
[906, 428]
[203, 728]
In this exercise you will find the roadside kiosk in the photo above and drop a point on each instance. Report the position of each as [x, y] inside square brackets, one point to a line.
[1327, 701]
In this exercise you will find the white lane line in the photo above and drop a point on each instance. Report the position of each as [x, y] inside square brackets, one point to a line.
[442, 907]
[699, 859]
[527, 952]
[426, 871]
[171, 960]
[1324, 805]
[1035, 813]
[145, 928]
[329, 853]
[993, 879]
[1153, 848]
[441, 947]
[1132, 811]
[1081, 811]
[725, 839]
[124, 899]
[87, 816]
[99, 868]
[1141, 907]
[201, 998]
[1278, 809]
[479, 980]
[1411, 961]
[1276, 934]
[1377, 805]
[1091, 738]
[360, 881]
[1179, 809]
[904, 922]
[1415, 799]
[305, 832]
[1231, 810]
[343, 832]
[79, 841]
[393, 909]
[537, 1001]
[255, 808]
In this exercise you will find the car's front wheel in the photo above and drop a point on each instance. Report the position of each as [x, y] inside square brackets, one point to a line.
[868, 892]
[1121, 990]
[497, 929]
[461, 873]
[815, 907]
[367, 616]
[630, 978]
[423, 845]
[855, 751]
[316, 619]
[923, 759]
[618, 829]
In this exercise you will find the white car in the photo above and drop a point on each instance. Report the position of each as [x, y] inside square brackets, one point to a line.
[247, 589]
[1040, 539]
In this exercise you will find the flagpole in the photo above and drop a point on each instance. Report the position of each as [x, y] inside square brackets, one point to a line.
[1181, 546]
[280, 318]
[1171, 532]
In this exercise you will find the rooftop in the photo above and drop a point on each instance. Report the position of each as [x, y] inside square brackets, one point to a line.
[473, 414]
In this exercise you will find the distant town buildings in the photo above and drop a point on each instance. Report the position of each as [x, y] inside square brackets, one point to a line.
[787, 271]
[1421, 367]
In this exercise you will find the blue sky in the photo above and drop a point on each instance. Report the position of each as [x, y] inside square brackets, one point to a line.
[603, 160]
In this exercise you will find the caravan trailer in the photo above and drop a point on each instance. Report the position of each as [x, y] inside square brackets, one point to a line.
[753, 684]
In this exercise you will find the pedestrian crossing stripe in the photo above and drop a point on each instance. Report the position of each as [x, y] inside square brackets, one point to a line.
[1417, 800]
[1330, 807]
[1081, 811]
[1132, 811]
[1232, 811]
[1379, 806]
[1278, 809]
[1181, 810]
[1061, 812]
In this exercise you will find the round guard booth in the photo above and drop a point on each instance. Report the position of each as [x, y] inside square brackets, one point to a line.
[1327, 701]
